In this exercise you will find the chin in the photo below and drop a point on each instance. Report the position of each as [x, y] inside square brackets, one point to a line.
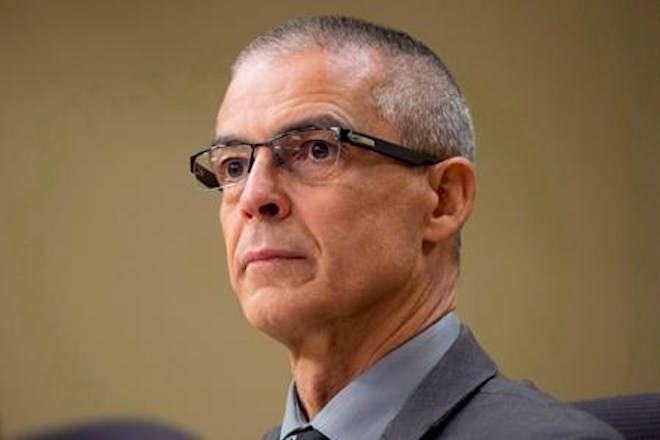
[276, 313]
[268, 311]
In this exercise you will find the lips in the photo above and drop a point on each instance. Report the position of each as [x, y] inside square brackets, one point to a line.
[268, 255]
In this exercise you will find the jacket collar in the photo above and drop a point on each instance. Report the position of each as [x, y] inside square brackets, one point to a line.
[460, 372]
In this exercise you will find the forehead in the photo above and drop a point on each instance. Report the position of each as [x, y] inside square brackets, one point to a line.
[271, 93]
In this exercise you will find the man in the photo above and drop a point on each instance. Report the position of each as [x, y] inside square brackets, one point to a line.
[344, 155]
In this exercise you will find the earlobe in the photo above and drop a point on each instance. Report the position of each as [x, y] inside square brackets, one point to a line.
[453, 182]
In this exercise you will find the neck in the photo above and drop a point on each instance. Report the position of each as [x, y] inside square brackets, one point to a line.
[330, 358]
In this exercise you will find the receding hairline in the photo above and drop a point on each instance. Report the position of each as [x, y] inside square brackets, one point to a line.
[366, 72]
[346, 36]
[369, 61]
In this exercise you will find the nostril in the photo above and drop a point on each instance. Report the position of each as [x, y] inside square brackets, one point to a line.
[269, 210]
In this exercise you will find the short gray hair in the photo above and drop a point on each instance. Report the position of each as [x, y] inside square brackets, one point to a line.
[417, 93]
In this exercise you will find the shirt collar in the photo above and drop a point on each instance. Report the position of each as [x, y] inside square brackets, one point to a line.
[364, 407]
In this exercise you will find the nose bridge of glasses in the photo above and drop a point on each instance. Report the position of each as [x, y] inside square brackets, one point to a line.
[284, 149]
[275, 154]
[264, 160]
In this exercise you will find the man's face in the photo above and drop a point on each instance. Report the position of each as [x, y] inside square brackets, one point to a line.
[303, 255]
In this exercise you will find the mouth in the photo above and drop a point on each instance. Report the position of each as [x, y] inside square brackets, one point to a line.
[268, 257]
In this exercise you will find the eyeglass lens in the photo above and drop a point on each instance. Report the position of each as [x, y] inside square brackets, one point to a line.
[309, 155]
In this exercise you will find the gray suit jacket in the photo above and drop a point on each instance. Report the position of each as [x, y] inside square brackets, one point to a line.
[464, 397]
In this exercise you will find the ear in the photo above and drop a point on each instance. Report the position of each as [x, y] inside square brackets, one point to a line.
[453, 182]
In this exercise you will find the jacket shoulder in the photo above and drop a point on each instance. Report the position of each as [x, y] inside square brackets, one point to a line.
[503, 408]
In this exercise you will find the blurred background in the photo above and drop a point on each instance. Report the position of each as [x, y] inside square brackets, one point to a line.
[113, 291]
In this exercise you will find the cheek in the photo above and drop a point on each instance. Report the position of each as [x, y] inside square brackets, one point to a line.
[366, 268]
[231, 232]
[225, 226]
[366, 247]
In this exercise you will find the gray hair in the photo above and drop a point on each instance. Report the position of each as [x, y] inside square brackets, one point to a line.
[417, 94]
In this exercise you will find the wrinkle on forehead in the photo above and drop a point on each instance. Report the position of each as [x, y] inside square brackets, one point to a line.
[281, 83]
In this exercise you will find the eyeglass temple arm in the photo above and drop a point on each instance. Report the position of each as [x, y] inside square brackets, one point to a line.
[202, 174]
[387, 148]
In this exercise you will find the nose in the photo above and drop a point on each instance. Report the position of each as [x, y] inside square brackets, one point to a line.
[263, 196]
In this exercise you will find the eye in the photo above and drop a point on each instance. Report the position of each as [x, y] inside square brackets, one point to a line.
[311, 155]
[233, 168]
[320, 151]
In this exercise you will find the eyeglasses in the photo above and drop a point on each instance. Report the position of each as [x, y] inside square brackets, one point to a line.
[309, 153]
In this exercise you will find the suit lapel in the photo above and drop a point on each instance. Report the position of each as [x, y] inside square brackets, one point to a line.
[460, 372]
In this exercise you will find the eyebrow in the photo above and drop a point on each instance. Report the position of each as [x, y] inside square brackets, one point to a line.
[320, 121]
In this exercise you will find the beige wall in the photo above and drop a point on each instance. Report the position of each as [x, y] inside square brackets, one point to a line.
[113, 292]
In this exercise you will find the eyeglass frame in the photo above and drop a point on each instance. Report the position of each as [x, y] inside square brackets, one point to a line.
[357, 139]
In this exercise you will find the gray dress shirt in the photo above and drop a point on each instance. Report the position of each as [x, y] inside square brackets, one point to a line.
[364, 408]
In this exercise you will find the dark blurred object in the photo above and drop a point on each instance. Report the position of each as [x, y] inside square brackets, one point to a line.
[120, 429]
[636, 416]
